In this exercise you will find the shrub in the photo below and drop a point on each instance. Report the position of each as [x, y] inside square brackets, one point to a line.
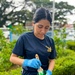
[71, 45]
[64, 52]
[2, 40]
[5, 55]
[4, 59]
[65, 66]
[16, 71]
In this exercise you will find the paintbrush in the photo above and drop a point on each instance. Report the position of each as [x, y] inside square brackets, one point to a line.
[40, 70]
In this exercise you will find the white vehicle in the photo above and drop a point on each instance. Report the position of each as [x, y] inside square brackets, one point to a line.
[70, 37]
[6, 32]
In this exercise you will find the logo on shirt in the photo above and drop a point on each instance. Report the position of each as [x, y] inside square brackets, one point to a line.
[48, 49]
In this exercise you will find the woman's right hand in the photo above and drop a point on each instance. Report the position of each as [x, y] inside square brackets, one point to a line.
[34, 63]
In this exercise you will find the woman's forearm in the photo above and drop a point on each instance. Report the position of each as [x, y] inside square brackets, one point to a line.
[16, 60]
[51, 64]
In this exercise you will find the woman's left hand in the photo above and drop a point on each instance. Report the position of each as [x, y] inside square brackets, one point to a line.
[48, 72]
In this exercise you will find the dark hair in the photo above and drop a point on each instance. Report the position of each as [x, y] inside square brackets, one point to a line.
[42, 13]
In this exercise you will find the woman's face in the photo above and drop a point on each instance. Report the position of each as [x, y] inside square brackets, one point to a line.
[40, 28]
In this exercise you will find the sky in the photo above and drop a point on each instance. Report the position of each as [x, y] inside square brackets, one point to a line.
[71, 2]
[71, 18]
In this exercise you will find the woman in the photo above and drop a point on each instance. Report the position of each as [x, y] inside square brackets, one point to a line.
[36, 42]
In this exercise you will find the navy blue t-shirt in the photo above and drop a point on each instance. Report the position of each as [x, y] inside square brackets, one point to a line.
[28, 45]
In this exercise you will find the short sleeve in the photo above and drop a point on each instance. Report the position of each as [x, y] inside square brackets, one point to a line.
[53, 53]
[19, 47]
